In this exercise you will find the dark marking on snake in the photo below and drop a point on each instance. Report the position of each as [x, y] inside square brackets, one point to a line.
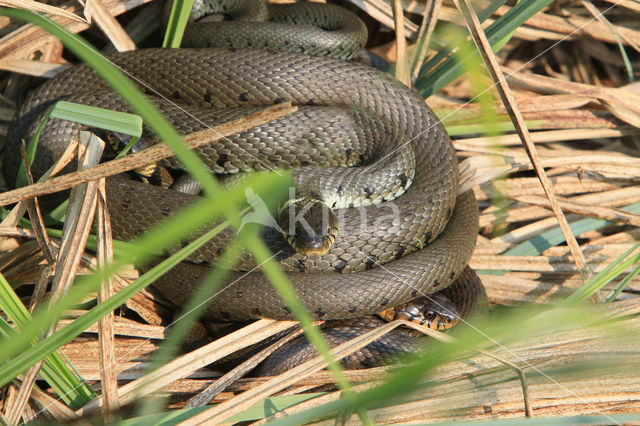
[296, 77]
[340, 191]
[286, 309]
[300, 265]
[427, 237]
[244, 97]
[175, 95]
[222, 160]
[384, 301]
[370, 262]
[403, 179]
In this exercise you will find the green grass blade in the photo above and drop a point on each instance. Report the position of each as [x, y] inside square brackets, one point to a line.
[68, 386]
[497, 33]
[180, 11]
[540, 243]
[21, 178]
[169, 135]
[279, 280]
[115, 121]
[258, 411]
[488, 11]
[512, 330]
[106, 119]
[189, 314]
[623, 284]
[536, 245]
[171, 232]
[450, 47]
[126, 149]
[615, 268]
[118, 246]
[623, 52]
[129, 92]
[15, 366]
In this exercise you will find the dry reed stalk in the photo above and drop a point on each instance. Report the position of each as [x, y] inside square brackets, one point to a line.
[96, 10]
[28, 39]
[402, 61]
[106, 336]
[571, 106]
[148, 156]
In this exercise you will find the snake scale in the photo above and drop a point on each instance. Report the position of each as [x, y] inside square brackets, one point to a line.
[349, 114]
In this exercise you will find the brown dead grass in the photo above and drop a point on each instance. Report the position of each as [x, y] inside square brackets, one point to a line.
[564, 71]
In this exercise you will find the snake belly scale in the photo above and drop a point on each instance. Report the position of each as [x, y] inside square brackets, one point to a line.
[353, 284]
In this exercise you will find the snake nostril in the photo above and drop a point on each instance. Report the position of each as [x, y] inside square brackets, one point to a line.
[313, 241]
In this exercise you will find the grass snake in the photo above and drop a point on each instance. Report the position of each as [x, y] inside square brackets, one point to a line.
[349, 114]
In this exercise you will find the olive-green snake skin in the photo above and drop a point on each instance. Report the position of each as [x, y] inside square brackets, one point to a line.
[384, 255]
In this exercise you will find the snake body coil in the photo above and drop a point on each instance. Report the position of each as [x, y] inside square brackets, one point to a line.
[311, 28]
[200, 79]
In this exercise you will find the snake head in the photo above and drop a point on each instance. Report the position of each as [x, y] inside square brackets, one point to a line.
[308, 224]
[436, 311]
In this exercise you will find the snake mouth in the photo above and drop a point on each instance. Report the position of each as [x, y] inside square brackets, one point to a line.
[309, 225]
[313, 244]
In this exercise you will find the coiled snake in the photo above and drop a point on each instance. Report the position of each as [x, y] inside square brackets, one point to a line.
[384, 255]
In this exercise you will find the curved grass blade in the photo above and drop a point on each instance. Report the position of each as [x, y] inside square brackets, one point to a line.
[106, 119]
[450, 47]
[180, 11]
[511, 330]
[615, 268]
[540, 243]
[166, 235]
[71, 388]
[198, 171]
[497, 33]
